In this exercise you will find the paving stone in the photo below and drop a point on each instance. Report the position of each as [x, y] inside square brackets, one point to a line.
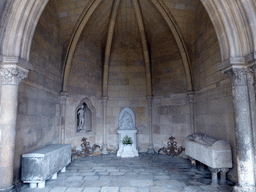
[110, 189]
[141, 183]
[74, 178]
[59, 189]
[128, 189]
[192, 189]
[158, 189]
[170, 183]
[91, 177]
[92, 189]
[74, 189]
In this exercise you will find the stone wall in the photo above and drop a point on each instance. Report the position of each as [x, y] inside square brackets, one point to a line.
[38, 102]
[85, 83]
[171, 112]
[127, 88]
[213, 99]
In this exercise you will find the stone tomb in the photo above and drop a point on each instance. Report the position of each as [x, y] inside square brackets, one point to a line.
[216, 154]
[45, 163]
[127, 128]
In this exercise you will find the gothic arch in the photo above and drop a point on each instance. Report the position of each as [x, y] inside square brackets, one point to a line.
[234, 32]
[22, 19]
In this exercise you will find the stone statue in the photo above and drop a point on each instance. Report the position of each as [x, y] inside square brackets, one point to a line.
[80, 116]
[126, 121]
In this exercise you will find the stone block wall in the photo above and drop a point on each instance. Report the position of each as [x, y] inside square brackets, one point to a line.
[213, 99]
[171, 112]
[171, 117]
[127, 88]
[38, 102]
[85, 82]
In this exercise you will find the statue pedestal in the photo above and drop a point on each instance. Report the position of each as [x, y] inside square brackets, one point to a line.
[127, 150]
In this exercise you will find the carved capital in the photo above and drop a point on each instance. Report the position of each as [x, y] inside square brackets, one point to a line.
[63, 98]
[191, 96]
[104, 101]
[238, 76]
[150, 100]
[13, 75]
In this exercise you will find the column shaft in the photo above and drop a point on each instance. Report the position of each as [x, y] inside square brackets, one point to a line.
[11, 75]
[243, 129]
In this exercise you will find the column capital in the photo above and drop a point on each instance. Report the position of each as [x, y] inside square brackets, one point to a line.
[150, 99]
[191, 96]
[237, 75]
[13, 70]
[63, 97]
[104, 101]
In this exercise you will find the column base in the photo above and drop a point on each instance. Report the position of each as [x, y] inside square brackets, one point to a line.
[151, 149]
[238, 188]
[104, 150]
[8, 189]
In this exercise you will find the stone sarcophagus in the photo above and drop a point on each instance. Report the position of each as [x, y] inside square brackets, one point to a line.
[216, 154]
[44, 163]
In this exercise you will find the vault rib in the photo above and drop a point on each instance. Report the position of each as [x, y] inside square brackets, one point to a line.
[85, 16]
[144, 45]
[164, 11]
[108, 47]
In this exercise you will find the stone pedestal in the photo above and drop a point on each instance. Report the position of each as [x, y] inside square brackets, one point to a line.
[127, 150]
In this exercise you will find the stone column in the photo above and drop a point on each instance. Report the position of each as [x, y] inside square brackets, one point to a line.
[214, 172]
[11, 75]
[104, 104]
[150, 146]
[63, 100]
[191, 99]
[243, 128]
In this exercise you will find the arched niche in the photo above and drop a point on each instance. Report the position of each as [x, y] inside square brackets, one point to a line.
[86, 110]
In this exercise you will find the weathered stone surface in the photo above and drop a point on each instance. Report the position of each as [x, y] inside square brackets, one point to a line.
[211, 152]
[41, 164]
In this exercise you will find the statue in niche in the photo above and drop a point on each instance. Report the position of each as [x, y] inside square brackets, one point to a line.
[126, 121]
[84, 119]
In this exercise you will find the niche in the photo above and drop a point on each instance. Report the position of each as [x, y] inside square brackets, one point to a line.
[85, 115]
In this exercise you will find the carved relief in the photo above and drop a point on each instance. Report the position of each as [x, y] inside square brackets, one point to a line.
[13, 75]
[126, 119]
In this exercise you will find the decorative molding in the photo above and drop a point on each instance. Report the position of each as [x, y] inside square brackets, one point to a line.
[13, 75]
[16, 61]
[238, 76]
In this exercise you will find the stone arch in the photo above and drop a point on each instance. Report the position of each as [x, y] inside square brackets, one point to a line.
[22, 19]
[232, 28]
[93, 112]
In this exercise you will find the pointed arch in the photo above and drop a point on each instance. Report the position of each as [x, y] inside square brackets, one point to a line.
[232, 28]
[20, 25]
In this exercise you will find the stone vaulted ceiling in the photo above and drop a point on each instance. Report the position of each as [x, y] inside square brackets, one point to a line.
[145, 20]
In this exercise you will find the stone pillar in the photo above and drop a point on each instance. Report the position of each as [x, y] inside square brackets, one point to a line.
[191, 99]
[223, 176]
[150, 146]
[243, 128]
[63, 100]
[104, 104]
[214, 172]
[11, 75]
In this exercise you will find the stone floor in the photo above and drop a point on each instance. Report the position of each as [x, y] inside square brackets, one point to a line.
[146, 173]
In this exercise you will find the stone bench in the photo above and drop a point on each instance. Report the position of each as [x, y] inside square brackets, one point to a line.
[216, 154]
[44, 163]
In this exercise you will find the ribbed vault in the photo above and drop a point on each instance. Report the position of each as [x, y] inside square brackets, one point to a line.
[141, 19]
